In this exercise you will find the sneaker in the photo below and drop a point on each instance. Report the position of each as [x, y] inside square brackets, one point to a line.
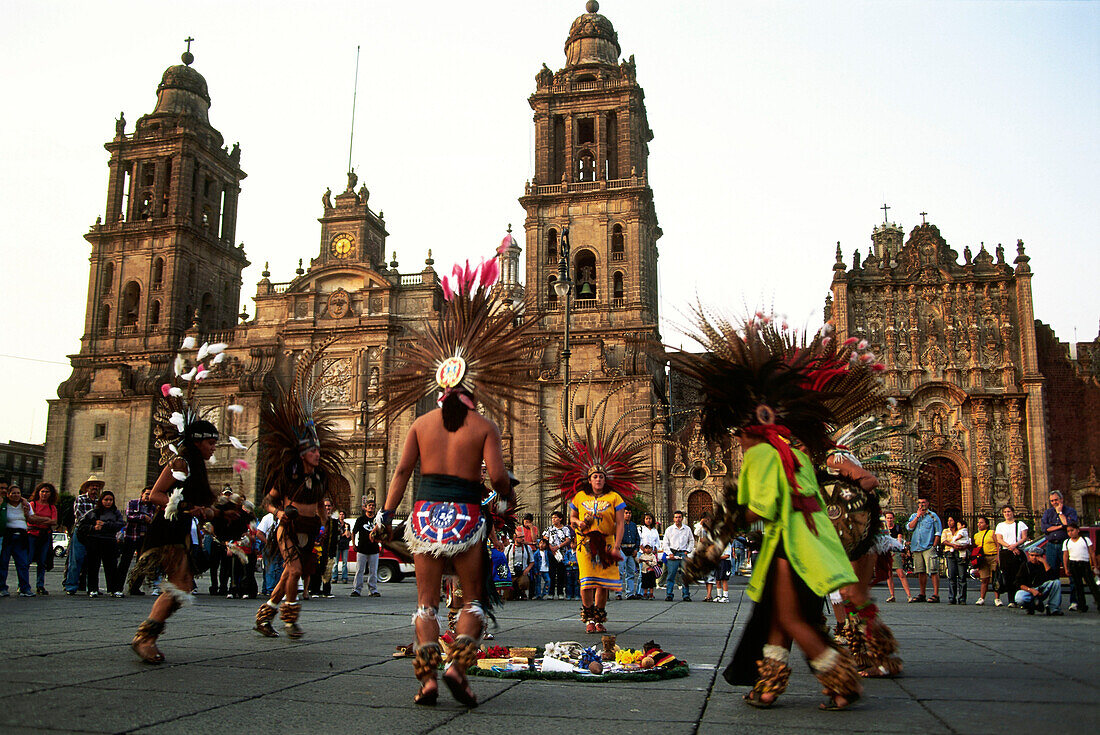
[687, 599]
[891, 598]
[354, 594]
[42, 591]
[1012, 604]
[981, 602]
[67, 592]
[668, 598]
[998, 602]
[93, 593]
[117, 594]
[28, 593]
[1073, 607]
[618, 596]
[375, 594]
[329, 596]
[1055, 613]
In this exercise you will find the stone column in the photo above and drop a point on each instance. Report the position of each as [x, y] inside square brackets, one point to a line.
[1017, 461]
[982, 454]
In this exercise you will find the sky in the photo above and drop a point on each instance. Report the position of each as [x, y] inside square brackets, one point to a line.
[780, 129]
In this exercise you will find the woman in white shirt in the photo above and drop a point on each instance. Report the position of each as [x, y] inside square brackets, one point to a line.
[956, 549]
[649, 533]
[1010, 533]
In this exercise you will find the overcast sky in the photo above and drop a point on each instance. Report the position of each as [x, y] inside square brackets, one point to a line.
[780, 128]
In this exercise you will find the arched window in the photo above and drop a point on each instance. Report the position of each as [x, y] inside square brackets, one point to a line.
[158, 273]
[551, 294]
[618, 243]
[617, 289]
[154, 314]
[584, 269]
[206, 315]
[104, 319]
[552, 246]
[108, 277]
[131, 300]
[586, 166]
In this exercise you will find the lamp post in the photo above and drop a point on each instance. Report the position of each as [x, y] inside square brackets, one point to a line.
[563, 287]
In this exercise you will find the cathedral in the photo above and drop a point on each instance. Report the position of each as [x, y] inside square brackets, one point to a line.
[959, 340]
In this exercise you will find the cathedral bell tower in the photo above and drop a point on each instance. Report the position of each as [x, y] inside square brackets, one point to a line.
[591, 156]
[163, 255]
[350, 231]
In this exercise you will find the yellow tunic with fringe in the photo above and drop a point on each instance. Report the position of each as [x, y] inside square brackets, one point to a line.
[603, 508]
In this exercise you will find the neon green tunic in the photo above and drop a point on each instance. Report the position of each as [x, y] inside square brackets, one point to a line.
[819, 559]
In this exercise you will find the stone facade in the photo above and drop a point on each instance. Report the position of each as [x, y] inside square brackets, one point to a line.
[958, 341]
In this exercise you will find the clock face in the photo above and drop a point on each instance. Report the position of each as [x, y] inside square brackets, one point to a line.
[342, 246]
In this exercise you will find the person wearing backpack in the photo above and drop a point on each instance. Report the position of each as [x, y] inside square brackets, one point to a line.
[985, 546]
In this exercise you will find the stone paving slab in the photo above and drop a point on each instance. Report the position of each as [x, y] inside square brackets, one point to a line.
[968, 670]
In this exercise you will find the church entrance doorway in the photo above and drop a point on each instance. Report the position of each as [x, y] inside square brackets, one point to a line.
[940, 482]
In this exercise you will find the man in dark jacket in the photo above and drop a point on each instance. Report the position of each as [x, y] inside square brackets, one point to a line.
[366, 551]
[321, 583]
[1037, 585]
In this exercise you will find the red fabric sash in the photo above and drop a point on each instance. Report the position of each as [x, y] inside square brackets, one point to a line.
[778, 436]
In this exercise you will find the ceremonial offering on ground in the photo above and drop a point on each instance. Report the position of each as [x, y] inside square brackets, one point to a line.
[565, 660]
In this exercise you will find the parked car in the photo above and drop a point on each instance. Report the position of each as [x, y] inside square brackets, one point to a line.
[390, 568]
[60, 544]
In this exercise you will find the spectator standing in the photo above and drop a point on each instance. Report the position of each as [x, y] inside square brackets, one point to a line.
[1010, 533]
[1037, 585]
[531, 539]
[679, 541]
[925, 528]
[15, 512]
[40, 526]
[542, 569]
[722, 574]
[986, 541]
[320, 584]
[343, 543]
[897, 558]
[522, 561]
[572, 571]
[1080, 561]
[648, 533]
[1054, 522]
[100, 528]
[628, 567]
[86, 500]
[556, 536]
[273, 560]
[955, 540]
[139, 514]
[366, 551]
[647, 559]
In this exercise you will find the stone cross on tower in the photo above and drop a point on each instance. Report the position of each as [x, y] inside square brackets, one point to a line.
[923, 215]
[885, 212]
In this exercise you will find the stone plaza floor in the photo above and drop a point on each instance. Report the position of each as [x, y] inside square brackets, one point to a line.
[66, 666]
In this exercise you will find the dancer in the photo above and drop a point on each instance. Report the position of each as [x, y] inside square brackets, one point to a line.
[182, 492]
[479, 352]
[750, 385]
[596, 474]
[302, 454]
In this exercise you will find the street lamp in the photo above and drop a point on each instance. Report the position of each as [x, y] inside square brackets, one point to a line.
[563, 287]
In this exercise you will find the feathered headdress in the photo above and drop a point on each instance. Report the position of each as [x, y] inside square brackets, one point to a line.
[290, 424]
[178, 417]
[763, 379]
[609, 444]
[477, 348]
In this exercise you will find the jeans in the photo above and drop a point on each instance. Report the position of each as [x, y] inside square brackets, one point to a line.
[127, 550]
[572, 583]
[1050, 594]
[368, 563]
[273, 569]
[543, 588]
[41, 548]
[341, 559]
[1081, 576]
[956, 580]
[628, 573]
[75, 564]
[17, 546]
[672, 568]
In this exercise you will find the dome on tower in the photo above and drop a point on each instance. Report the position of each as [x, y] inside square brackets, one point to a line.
[182, 91]
[592, 39]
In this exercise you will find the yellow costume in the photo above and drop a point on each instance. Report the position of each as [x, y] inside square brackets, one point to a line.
[603, 508]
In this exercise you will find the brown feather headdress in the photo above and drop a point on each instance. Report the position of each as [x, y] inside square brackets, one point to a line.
[290, 424]
[479, 347]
